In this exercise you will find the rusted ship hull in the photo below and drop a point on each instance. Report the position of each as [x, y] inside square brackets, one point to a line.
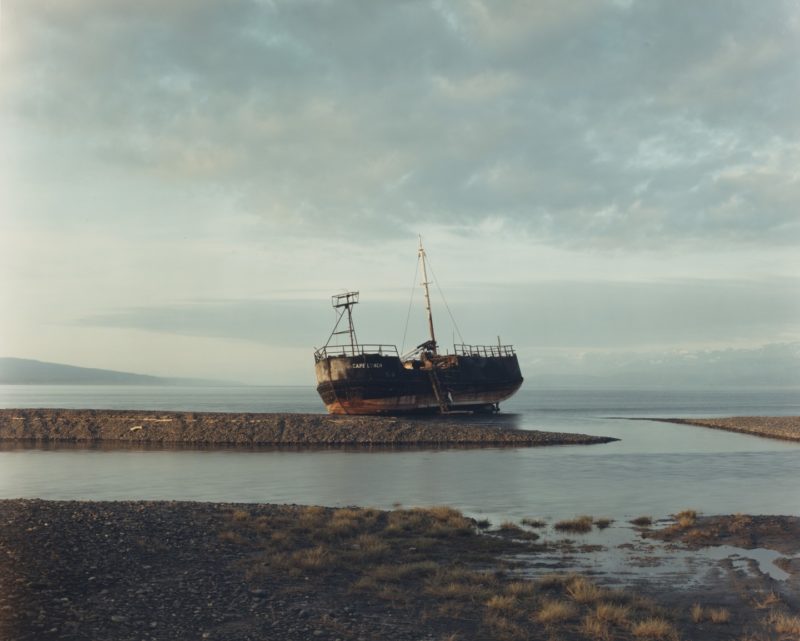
[376, 384]
[358, 378]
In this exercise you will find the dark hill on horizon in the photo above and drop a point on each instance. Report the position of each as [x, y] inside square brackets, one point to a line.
[23, 371]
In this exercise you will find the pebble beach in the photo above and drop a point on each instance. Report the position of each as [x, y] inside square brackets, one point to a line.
[252, 429]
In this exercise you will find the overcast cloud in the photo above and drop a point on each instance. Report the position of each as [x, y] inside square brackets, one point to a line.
[198, 168]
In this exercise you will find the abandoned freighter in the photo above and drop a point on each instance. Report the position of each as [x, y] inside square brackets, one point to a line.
[355, 378]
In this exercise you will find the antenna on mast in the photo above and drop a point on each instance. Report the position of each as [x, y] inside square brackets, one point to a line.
[345, 302]
[425, 283]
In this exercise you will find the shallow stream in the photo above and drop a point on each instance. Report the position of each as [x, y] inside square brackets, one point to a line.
[655, 469]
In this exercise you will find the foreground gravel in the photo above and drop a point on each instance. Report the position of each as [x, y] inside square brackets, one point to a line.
[208, 428]
[786, 428]
[173, 571]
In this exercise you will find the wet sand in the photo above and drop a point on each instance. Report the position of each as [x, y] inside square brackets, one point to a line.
[176, 570]
[246, 429]
[781, 427]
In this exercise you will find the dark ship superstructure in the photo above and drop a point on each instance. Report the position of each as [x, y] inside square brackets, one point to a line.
[354, 378]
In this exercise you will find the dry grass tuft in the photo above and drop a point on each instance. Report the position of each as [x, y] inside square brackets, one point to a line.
[786, 624]
[602, 524]
[715, 615]
[312, 516]
[654, 628]
[442, 512]
[370, 546]
[534, 522]
[579, 524]
[344, 512]
[612, 613]
[281, 539]
[502, 603]
[393, 594]
[367, 583]
[740, 523]
[471, 592]
[438, 521]
[316, 558]
[769, 601]
[718, 615]
[514, 530]
[520, 588]
[554, 581]
[701, 535]
[595, 628]
[344, 522]
[555, 612]
[686, 518]
[461, 583]
[581, 590]
[642, 521]
[229, 536]
[504, 629]
[277, 561]
[463, 575]
[240, 515]
[402, 571]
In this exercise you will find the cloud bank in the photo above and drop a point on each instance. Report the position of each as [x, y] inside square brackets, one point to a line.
[603, 123]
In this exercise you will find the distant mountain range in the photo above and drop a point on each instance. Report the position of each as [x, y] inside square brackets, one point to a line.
[23, 371]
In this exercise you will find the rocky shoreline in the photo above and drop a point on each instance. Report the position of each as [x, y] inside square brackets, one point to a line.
[786, 428]
[250, 429]
[164, 570]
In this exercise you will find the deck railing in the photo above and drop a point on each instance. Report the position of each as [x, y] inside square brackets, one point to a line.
[355, 350]
[484, 350]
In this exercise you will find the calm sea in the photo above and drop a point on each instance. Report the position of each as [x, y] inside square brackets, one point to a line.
[656, 468]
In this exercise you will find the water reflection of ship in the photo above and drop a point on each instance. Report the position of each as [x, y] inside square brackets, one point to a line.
[355, 378]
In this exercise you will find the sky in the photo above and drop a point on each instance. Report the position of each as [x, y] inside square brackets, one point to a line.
[611, 186]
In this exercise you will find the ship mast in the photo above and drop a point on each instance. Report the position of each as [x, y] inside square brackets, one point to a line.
[425, 284]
